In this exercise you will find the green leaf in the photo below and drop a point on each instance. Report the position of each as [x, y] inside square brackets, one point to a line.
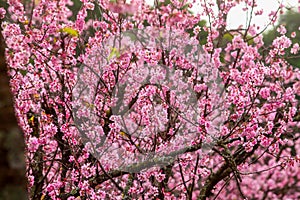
[70, 31]
[74, 191]
[146, 23]
[23, 72]
[185, 7]
[31, 61]
[114, 52]
[222, 57]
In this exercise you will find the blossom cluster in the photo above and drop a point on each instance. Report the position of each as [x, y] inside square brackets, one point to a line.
[138, 101]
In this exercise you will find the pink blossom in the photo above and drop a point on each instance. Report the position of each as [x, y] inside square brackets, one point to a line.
[200, 87]
[197, 30]
[2, 13]
[265, 93]
[240, 109]
[282, 42]
[296, 87]
[123, 8]
[33, 144]
[281, 29]
[259, 12]
[89, 5]
[295, 48]
[293, 34]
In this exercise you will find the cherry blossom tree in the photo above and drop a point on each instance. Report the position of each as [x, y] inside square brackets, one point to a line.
[125, 100]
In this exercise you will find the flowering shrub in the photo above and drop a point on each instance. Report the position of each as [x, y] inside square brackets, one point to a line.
[132, 101]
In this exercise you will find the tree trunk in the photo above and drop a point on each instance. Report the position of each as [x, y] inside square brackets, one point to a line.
[13, 184]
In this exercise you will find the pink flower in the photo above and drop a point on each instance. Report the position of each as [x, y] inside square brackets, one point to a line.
[33, 144]
[238, 42]
[160, 177]
[293, 34]
[282, 42]
[71, 159]
[50, 188]
[197, 30]
[30, 180]
[2, 13]
[295, 48]
[296, 88]
[259, 12]
[265, 93]
[120, 7]
[281, 29]
[89, 6]
[200, 87]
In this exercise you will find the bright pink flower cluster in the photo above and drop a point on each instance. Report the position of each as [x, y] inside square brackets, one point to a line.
[157, 121]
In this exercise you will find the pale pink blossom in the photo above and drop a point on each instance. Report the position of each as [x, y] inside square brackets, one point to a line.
[295, 48]
[281, 29]
[2, 13]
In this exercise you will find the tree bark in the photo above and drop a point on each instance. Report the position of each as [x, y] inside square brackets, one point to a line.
[13, 182]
